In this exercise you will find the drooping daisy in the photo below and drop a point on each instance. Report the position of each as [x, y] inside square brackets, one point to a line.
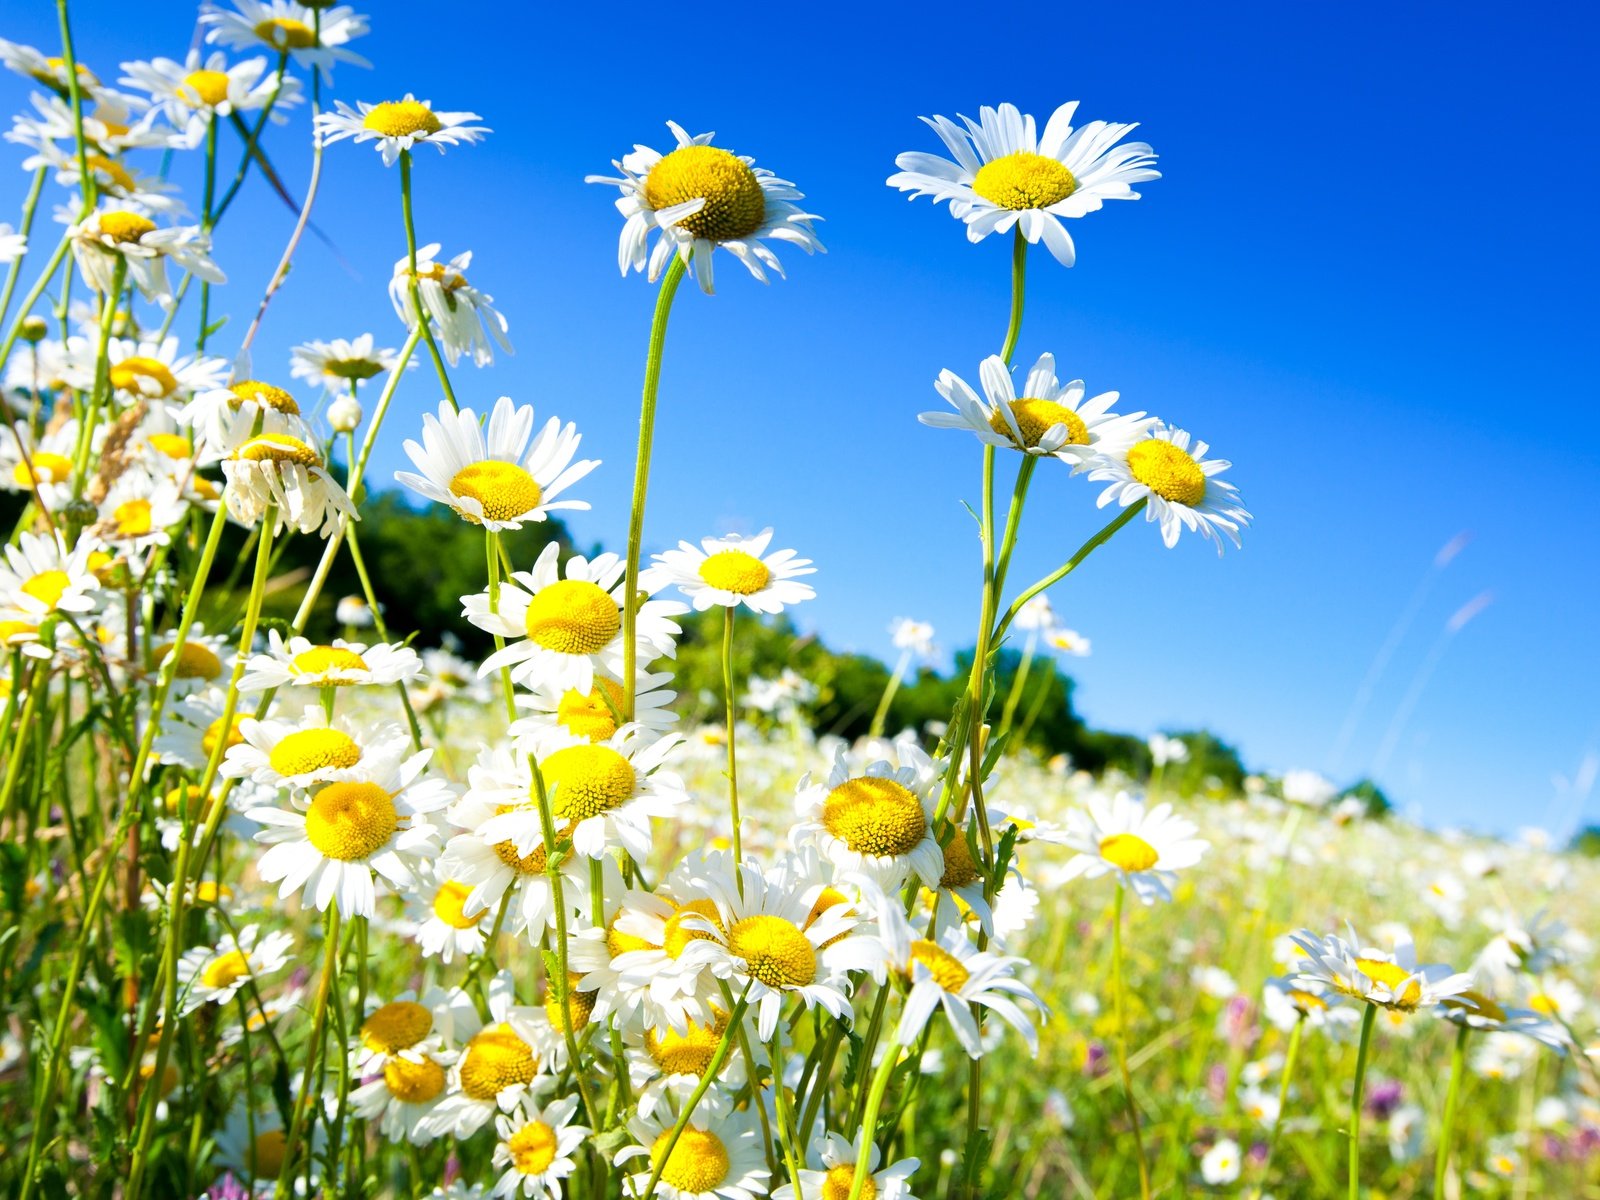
[1049, 419]
[700, 198]
[108, 236]
[536, 1147]
[465, 317]
[832, 1162]
[214, 974]
[1180, 482]
[719, 1156]
[405, 1092]
[565, 624]
[398, 125]
[49, 70]
[1144, 848]
[876, 819]
[190, 93]
[341, 362]
[1005, 173]
[329, 843]
[731, 571]
[502, 480]
[593, 715]
[1389, 979]
[302, 663]
[312, 35]
[283, 472]
[496, 1067]
[312, 749]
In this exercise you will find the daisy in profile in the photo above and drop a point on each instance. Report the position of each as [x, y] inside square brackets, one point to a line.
[535, 1148]
[594, 715]
[300, 662]
[501, 480]
[13, 245]
[876, 820]
[1172, 472]
[405, 1093]
[342, 363]
[564, 625]
[145, 369]
[109, 236]
[496, 1067]
[398, 125]
[312, 35]
[1144, 849]
[330, 842]
[730, 571]
[719, 1156]
[1048, 419]
[1477, 1010]
[698, 198]
[466, 318]
[832, 1163]
[1387, 979]
[284, 473]
[1002, 172]
[190, 93]
[214, 974]
[312, 749]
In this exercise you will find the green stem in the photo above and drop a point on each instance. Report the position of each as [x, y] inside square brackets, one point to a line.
[733, 713]
[1071, 564]
[249, 145]
[881, 716]
[319, 1025]
[69, 60]
[786, 1130]
[14, 271]
[102, 377]
[33, 295]
[1452, 1099]
[1120, 1003]
[416, 287]
[1019, 279]
[1283, 1102]
[869, 1117]
[1355, 1100]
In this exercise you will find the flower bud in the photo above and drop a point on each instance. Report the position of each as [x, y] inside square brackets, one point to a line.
[344, 414]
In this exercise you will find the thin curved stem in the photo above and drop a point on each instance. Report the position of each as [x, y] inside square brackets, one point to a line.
[1120, 1002]
[869, 1117]
[729, 697]
[1367, 1019]
[1070, 565]
[1452, 1099]
[1283, 1100]
[416, 287]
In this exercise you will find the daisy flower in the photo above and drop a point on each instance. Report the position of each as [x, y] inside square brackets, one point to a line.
[137, 513]
[405, 1093]
[731, 571]
[343, 362]
[536, 1147]
[1177, 478]
[40, 577]
[832, 1162]
[719, 1156]
[438, 908]
[1477, 1010]
[1286, 1001]
[1049, 419]
[145, 369]
[214, 975]
[312, 35]
[877, 820]
[190, 93]
[312, 748]
[666, 1063]
[283, 471]
[465, 317]
[1003, 173]
[562, 624]
[302, 663]
[203, 661]
[108, 236]
[410, 1026]
[700, 197]
[191, 730]
[13, 245]
[398, 125]
[329, 843]
[231, 414]
[44, 69]
[592, 715]
[42, 464]
[1389, 979]
[501, 480]
[496, 1066]
[252, 1144]
[1144, 849]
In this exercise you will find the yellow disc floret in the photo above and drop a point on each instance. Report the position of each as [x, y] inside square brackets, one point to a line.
[195, 661]
[1035, 418]
[396, 1026]
[677, 934]
[172, 445]
[573, 616]
[579, 1006]
[266, 395]
[1023, 180]
[131, 518]
[209, 87]
[450, 905]
[325, 660]
[875, 816]
[945, 967]
[1392, 976]
[47, 468]
[1129, 851]
[533, 1148]
[225, 970]
[307, 750]
[592, 716]
[1167, 471]
[503, 490]
[689, 1052]
[266, 1154]
[286, 33]
[277, 448]
[144, 376]
[495, 1059]
[618, 942]
[47, 587]
[349, 821]
[774, 950]
[411, 1081]
[735, 571]
[122, 226]
[402, 118]
[585, 781]
[735, 206]
[229, 735]
[698, 1163]
[959, 869]
[837, 1182]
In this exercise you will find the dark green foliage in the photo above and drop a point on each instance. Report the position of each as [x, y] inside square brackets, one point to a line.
[1371, 795]
[1587, 842]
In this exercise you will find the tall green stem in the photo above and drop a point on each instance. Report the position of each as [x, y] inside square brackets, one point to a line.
[319, 1026]
[416, 286]
[712, 1071]
[730, 698]
[1120, 1002]
[1367, 1019]
[1283, 1102]
[1452, 1099]
[869, 1117]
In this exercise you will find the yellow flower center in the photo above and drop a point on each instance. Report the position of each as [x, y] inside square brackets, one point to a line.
[225, 970]
[253, 391]
[110, 167]
[675, 937]
[413, 1082]
[1167, 471]
[504, 490]
[1129, 851]
[875, 816]
[122, 226]
[172, 445]
[618, 942]
[735, 205]
[1022, 180]
[945, 967]
[533, 1148]
[959, 869]
[1306, 1002]
[774, 950]
[1391, 975]
[278, 448]
[209, 87]
[266, 1154]
[837, 1183]
[396, 1026]
[689, 1052]
[573, 616]
[1477, 1004]
[307, 750]
[450, 905]
[47, 468]
[579, 1006]
[496, 1059]
[230, 737]
[1035, 418]
[586, 781]
[187, 800]
[523, 864]
[351, 368]
[827, 898]
[195, 661]
[349, 821]
[144, 376]
[320, 660]
[132, 518]
[699, 1162]
[1544, 1003]
[47, 587]
[590, 716]
[735, 571]
[285, 33]
[399, 118]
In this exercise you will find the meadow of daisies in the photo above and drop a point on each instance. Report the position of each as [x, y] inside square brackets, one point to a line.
[356, 916]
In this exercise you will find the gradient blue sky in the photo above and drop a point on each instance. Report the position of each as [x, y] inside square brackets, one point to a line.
[1367, 278]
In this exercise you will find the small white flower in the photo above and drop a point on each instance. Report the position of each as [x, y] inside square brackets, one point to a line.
[730, 571]
[398, 126]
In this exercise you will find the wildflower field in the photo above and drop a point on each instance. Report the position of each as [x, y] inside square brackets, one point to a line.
[295, 901]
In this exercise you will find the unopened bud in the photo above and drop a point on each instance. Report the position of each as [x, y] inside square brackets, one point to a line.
[344, 414]
[34, 328]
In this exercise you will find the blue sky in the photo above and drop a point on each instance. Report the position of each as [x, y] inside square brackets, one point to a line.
[1367, 278]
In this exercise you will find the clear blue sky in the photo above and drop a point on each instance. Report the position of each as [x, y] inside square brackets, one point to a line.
[1367, 278]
